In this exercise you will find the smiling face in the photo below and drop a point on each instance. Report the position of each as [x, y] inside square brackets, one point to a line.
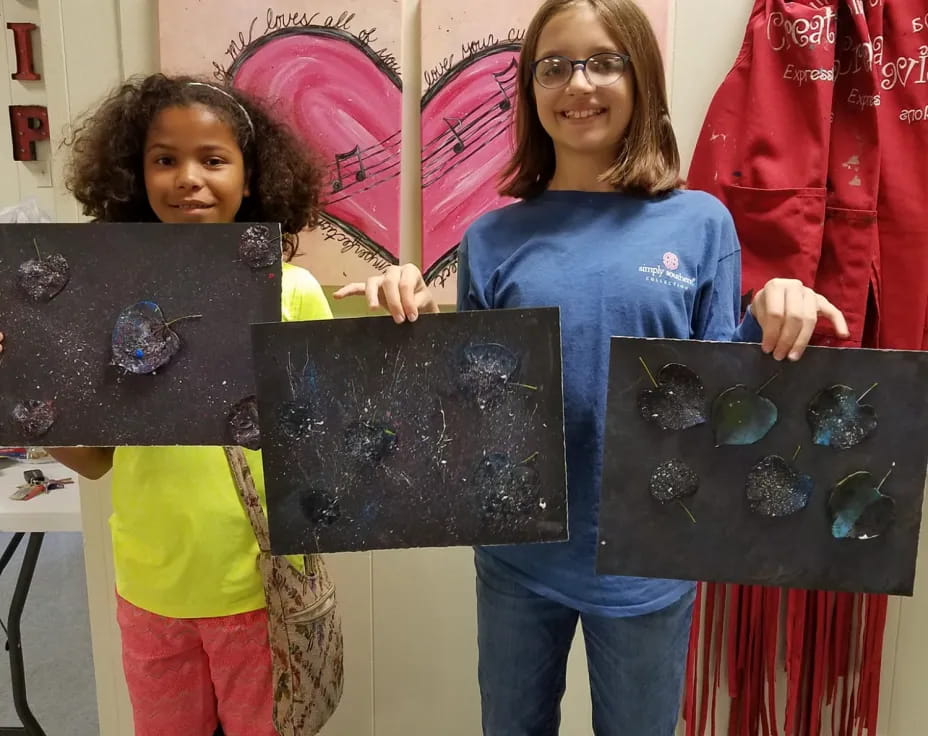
[193, 166]
[584, 121]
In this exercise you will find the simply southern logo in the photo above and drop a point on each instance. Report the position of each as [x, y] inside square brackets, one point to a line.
[667, 274]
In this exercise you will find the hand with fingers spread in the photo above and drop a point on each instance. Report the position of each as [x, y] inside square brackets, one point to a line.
[400, 290]
[787, 312]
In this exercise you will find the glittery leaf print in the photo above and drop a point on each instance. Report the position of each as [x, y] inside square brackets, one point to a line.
[295, 419]
[775, 488]
[34, 417]
[858, 509]
[838, 419]
[484, 372]
[142, 340]
[369, 442]
[257, 248]
[319, 507]
[506, 488]
[676, 399]
[43, 277]
[673, 480]
[243, 424]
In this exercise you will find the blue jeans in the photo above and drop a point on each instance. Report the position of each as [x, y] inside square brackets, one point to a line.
[636, 664]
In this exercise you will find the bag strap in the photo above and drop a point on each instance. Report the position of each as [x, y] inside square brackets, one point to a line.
[248, 494]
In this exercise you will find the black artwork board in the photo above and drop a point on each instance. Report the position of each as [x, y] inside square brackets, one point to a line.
[746, 523]
[446, 431]
[60, 349]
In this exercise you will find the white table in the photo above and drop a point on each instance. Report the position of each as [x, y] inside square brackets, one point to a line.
[56, 511]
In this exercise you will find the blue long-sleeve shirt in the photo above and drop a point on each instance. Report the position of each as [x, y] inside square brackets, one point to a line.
[615, 265]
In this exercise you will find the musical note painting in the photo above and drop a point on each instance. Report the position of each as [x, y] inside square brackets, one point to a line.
[330, 70]
[470, 55]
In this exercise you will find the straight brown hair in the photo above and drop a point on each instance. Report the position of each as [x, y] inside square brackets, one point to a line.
[649, 161]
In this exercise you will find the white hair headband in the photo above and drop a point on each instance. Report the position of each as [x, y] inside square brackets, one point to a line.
[238, 104]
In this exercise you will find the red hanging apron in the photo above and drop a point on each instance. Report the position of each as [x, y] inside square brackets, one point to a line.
[789, 144]
[902, 64]
[816, 142]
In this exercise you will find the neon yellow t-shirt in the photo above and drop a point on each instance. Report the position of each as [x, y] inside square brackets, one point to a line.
[182, 544]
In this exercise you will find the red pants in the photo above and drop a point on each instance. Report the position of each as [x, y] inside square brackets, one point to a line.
[816, 142]
[187, 675]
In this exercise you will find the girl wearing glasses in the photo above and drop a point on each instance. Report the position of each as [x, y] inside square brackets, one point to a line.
[605, 231]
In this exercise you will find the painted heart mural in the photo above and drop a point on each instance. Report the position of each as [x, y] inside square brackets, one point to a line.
[466, 141]
[341, 99]
[346, 104]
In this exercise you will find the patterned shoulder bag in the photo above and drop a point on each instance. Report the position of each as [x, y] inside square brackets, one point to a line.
[304, 627]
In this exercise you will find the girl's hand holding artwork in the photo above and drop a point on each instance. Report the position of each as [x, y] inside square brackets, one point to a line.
[400, 290]
[787, 312]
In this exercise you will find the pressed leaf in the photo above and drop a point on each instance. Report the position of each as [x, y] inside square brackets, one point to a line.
[838, 419]
[677, 401]
[858, 509]
[142, 339]
[672, 480]
[741, 416]
[775, 488]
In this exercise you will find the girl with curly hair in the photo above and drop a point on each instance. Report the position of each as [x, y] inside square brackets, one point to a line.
[190, 605]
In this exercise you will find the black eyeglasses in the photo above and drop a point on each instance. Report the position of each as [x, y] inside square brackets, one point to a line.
[600, 70]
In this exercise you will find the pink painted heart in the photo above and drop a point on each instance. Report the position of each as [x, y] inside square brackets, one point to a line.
[346, 104]
[466, 141]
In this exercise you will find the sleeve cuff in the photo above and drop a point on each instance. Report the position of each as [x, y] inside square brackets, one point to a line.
[749, 330]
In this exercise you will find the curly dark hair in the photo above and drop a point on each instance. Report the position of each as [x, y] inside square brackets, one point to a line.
[105, 169]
